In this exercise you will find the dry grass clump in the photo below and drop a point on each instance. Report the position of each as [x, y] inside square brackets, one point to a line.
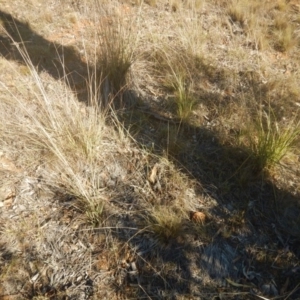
[170, 64]
[67, 134]
[184, 100]
[114, 59]
[165, 223]
[264, 23]
[175, 76]
[237, 12]
[70, 157]
[117, 40]
[268, 140]
[284, 38]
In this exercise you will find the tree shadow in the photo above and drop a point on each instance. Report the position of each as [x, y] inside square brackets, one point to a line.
[61, 62]
[259, 227]
[254, 233]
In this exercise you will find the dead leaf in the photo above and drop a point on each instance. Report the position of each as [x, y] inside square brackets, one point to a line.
[198, 217]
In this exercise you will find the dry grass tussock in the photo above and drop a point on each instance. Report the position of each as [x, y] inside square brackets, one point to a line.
[149, 149]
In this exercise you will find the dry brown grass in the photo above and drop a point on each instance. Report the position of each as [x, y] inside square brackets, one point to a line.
[88, 210]
[165, 223]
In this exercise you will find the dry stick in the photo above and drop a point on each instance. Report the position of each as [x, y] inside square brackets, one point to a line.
[144, 291]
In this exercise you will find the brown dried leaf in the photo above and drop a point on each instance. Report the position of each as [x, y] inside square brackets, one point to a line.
[198, 217]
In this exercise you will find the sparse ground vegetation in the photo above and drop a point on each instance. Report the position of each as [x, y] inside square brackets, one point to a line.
[149, 149]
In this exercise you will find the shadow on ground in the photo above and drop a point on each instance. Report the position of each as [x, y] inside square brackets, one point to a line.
[256, 223]
[255, 245]
[61, 62]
